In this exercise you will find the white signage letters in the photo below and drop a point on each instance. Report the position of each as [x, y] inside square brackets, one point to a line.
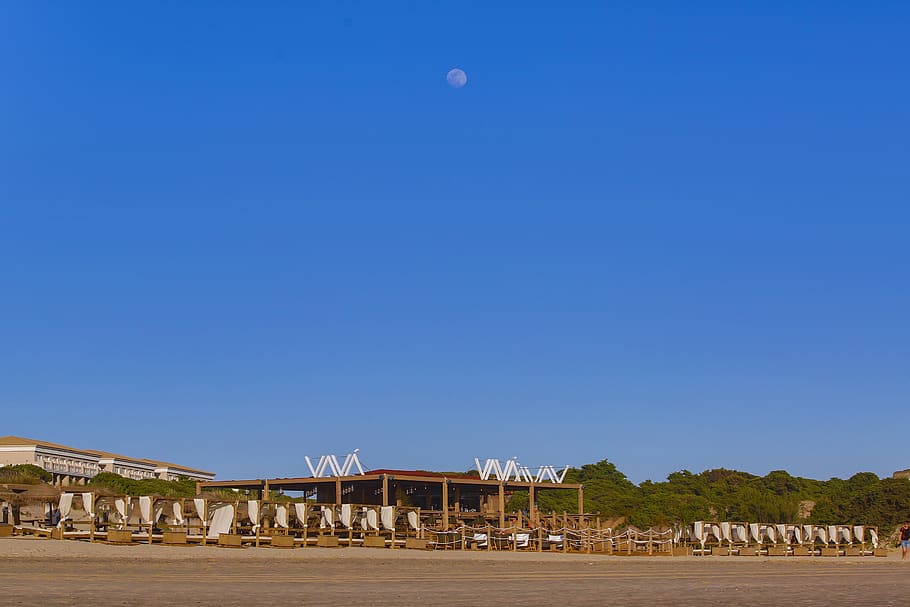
[513, 471]
[328, 465]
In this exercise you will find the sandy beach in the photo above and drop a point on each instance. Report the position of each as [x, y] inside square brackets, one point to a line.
[45, 572]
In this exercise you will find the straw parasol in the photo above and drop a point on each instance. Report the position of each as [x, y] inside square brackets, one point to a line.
[22, 495]
[41, 492]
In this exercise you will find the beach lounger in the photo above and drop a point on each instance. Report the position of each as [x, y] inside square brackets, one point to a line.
[477, 541]
[521, 541]
[554, 542]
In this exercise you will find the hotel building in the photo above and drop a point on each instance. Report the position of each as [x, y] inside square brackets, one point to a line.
[71, 466]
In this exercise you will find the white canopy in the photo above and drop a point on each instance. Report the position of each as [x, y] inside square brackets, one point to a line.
[145, 509]
[253, 511]
[328, 517]
[738, 532]
[725, 532]
[755, 532]
[372, 520]
[300, 512]
[199, 505]
[122, 504]
[782, 533]
[346, 516]
[388, 518]
[770, 533]
[281, 516]
[844, 536]
[222, 521]
[65, 506]
[698, 532]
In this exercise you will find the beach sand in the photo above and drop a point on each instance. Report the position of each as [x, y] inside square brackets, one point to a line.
[48, 572]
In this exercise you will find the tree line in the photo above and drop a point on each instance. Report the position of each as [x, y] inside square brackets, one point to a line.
[732, 495]
[684, 497]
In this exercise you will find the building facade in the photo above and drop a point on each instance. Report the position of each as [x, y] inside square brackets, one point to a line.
[71, 466]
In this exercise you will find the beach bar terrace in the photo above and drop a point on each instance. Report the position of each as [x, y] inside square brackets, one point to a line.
[449, 499]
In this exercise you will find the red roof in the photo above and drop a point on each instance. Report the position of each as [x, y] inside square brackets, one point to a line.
[416, 473]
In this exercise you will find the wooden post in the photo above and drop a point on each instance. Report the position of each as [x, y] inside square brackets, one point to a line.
[337, 490]
[151, 518]
[445, 504]
[385, 493]
[532, 506]
[581, 499]
[304, 524]
[502, 506]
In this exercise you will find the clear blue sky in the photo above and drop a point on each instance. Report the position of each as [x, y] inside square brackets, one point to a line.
[672, 235]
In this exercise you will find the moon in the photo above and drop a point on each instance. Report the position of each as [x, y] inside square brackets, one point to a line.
[456, 78]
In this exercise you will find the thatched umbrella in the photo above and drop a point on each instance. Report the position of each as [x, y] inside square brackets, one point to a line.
[41, 492]
[19, 495]
[9, 496]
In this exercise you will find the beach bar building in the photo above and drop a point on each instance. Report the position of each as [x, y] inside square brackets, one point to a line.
[451, 498]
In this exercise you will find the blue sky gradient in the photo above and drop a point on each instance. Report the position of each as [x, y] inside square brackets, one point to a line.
[666, 234]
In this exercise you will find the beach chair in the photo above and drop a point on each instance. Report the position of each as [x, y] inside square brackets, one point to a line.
[554, 541]
[477, 541]
[370, 521]
[521, 541]
[412, 528]
[388, 518]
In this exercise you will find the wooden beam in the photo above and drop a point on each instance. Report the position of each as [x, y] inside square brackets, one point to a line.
[338, 490]
[385, 493]
[445, 505]
[241, 484]
[581, 499]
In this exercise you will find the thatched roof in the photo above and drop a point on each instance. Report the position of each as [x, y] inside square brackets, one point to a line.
[26, 494]
[15, 487]
[41, 491]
